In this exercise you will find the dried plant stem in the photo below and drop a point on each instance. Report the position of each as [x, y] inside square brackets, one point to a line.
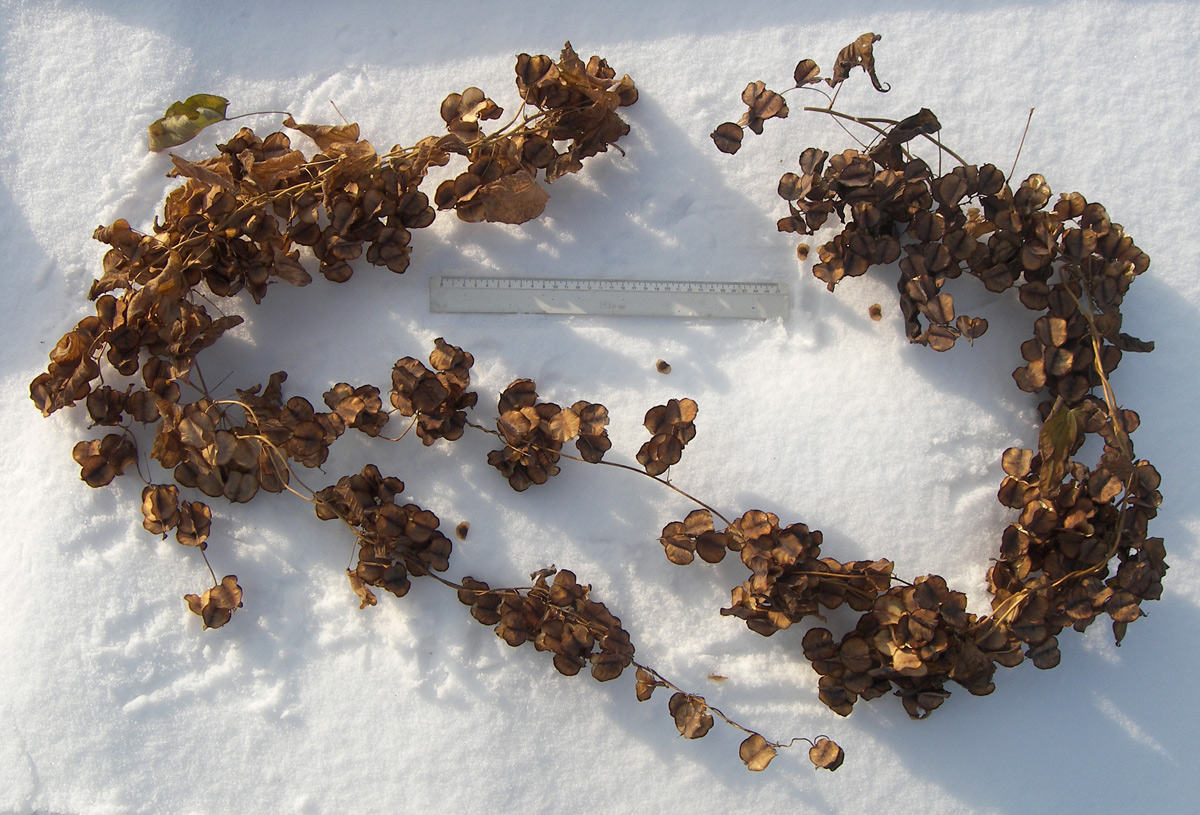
[632, 469]
[210, 568]
[1024, 133]
[874, 122]
[260, 113]
[402, 435]
[666, 683]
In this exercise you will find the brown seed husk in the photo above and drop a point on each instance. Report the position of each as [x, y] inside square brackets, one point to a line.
[756, 753]
[826, 755]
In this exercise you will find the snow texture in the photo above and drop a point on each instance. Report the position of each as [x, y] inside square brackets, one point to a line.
[112, 699]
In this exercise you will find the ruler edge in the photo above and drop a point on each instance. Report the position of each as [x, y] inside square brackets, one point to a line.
[782, 290]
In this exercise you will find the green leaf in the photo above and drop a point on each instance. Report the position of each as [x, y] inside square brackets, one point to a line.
[1055, 441]
[183, 120]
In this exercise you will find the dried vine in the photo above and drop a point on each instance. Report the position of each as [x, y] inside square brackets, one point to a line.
[1080, 547]
[244, 220]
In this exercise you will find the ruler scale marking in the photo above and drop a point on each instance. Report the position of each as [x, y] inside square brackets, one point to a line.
[605, 297]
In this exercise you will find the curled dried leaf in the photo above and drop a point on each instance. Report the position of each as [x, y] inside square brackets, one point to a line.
[365, 595]
[858, 54]
[806, 73]
[184, 120]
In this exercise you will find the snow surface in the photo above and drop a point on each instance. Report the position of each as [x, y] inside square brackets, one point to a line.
[112, 699]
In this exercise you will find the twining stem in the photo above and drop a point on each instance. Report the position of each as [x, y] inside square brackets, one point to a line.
[258, 113]
[210, 568]
[1110, 398]
[662, 481]
[560, 453]
[402, 435]
[666, 683]
[874, 122]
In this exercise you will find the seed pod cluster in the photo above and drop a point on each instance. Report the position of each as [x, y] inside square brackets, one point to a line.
[102, 460]
[789, 580]
[914, 639]
[557, 617]
[534, 433]
[1074, 521]
[576, 103]
[438, 398]
[1080, 547]
[671, 427]
[394, 540]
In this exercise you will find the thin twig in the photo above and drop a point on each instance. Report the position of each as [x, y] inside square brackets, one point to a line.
[257, 113]
[338, 112]
[561, 454]
[402, 435]
[1022, 144]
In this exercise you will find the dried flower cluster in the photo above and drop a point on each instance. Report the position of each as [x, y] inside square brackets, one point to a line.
[243, 220]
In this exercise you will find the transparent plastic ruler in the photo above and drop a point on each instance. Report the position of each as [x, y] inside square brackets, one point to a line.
[610, 298]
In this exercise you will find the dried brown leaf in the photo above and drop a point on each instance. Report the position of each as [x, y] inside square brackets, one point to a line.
[806, 73]
[858, 54]
[326, 136]
[365, 595]
[511, 199]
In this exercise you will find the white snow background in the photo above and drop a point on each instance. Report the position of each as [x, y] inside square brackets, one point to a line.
[112, 698]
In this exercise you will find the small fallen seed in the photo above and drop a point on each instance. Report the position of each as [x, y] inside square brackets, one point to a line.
[461, 530]
[876, 312]
[717, 677]
[802, 251]
[662, 367]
